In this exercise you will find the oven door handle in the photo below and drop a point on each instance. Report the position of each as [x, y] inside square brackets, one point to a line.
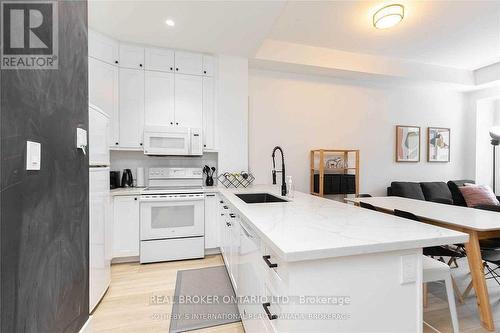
[170, 199]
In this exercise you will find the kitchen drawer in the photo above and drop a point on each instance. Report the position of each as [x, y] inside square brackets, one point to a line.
[172, 249]
[281, 270]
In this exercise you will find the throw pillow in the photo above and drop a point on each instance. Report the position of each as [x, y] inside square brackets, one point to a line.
[475, 195]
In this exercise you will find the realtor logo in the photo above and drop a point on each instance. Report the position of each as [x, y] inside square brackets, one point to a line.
[29, 35]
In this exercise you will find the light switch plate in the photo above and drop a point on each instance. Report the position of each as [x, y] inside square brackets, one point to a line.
[33, 155]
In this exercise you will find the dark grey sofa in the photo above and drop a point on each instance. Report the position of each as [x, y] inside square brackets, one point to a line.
[440, 192]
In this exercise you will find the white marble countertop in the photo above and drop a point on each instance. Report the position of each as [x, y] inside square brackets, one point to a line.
[470, 218]
[309, 227]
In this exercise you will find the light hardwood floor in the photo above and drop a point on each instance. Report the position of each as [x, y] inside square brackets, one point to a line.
[127, 307]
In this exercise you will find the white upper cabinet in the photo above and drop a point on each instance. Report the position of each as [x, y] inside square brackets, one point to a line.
[131, 108]
[159, 93]
[103, 48]
[208, 65]
[188, 63]
[208, 114]
[188, 101]
[159, 59]
[103, 93]
[131, 56]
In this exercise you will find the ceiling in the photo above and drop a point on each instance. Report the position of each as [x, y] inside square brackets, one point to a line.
[230, 27]
[460, 34]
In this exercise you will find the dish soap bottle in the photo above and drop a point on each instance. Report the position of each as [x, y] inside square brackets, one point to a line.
[290, 187]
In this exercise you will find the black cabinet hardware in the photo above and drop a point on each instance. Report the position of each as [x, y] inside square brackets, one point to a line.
[268, 262]
[116, 143]
[232, 216]
[268, 313]
[204, 72]
[171, 123]
[140, 65]
[140, 144]
[228, 224]
[210, 195]
[177, 123]
[205, 146]
[225, 207]
[221, 201]
[171, 68]
[116, 61]
[135, 199]
[177, 69]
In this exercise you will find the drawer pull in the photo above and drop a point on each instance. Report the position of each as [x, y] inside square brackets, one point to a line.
[268, 313]
[268, 262]
[226, 207]
[232, 216]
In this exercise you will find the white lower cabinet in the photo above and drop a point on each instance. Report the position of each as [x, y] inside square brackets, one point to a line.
[126, 226]
[212, 232]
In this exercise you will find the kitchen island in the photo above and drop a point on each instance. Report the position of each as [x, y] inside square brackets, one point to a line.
[316, 265]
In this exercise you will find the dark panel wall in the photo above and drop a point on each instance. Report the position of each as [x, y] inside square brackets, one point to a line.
[44, 214]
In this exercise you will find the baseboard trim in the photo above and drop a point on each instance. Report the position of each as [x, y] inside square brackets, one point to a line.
[215, 250]
[121, 260]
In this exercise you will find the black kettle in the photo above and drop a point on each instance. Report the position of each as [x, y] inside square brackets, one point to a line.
[127, 180]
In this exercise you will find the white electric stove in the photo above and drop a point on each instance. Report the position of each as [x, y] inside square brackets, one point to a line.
[172, 216]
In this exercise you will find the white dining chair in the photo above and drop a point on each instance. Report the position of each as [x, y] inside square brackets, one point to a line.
[435, 270]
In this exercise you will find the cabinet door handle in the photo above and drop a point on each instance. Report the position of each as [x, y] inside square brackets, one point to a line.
[177, 69]
[228, 224]
[171, 68]
[116, 61]
[171, 123]
[177, 123]
[225, 207]
[116, 143]
[140, 144]
[204, 72]
[268, 313]
[232, 216]
[221, 201]
[135, 199]
[268, 262]
[210, 195]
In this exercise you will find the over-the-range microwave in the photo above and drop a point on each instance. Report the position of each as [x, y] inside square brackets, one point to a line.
[172, 140]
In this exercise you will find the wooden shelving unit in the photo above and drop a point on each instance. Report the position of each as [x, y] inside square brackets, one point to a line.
[319, 157]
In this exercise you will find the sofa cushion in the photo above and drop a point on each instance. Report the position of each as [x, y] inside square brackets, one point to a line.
[479, 195]
[407, 190]
[437, 192]
[454, 185]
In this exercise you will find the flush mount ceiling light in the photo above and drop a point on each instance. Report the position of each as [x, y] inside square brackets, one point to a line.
[388, 16]
[170, 22]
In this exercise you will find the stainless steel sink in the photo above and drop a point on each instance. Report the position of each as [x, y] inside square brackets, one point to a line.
[252, 198]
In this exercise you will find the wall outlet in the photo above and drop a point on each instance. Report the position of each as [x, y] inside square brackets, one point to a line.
[409, 265]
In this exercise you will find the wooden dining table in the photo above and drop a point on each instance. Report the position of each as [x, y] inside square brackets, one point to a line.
[479, 224]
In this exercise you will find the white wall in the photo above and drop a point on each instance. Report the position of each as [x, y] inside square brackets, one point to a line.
[488, 115]
[301, 113]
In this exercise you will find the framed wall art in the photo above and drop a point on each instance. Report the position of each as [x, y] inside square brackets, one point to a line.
[438, 144]
[407, 143]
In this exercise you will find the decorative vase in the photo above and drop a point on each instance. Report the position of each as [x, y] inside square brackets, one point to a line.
[209, 181]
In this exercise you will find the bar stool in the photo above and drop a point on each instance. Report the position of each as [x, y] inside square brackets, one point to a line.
[435, 270]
